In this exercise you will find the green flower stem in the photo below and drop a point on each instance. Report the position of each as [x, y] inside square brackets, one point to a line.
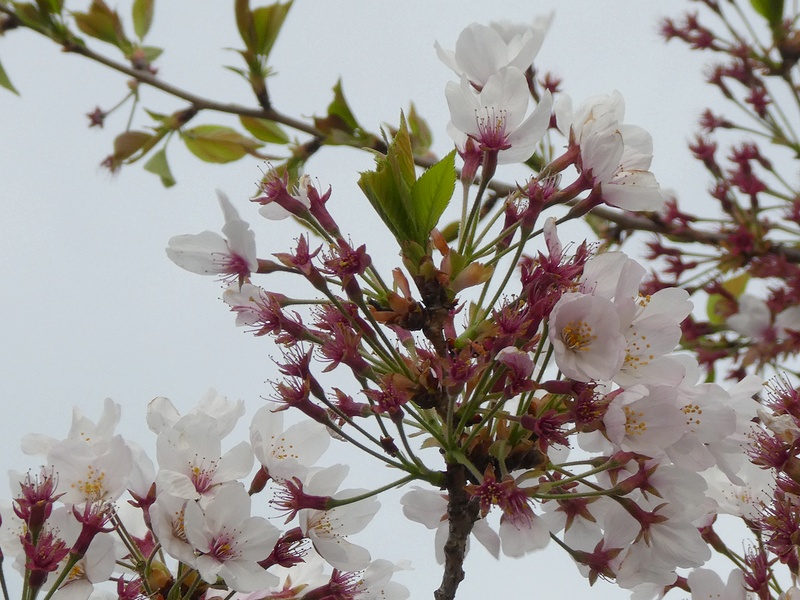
[71, 562]
[335, 502]
[467, 233]
[3, 580]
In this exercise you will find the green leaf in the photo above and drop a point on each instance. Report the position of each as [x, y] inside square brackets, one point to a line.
[389, 189]
[142, 12]
[716, 307]
[340, 117]
[129, 143]
[432, 193]
[218, 144]
[264, 130]
[158, 165]
[244, 21]
[151, 53]
[50, 6]
[6, 82]
[267, 22]
[421, 137]
[104, 24]
[771, 10]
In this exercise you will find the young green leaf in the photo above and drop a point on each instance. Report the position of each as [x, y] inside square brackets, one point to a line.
[129, 143]
[432, 192]
[104, 24]
[218, 144]
[389, 190]
[421, 137]
[267, 22]
[264, 130]
[158, 165]
[5, 81]
[771, 10]
[736, 286]
[142, 16]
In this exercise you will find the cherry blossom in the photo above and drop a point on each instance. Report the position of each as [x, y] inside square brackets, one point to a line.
[495, 116]
[707, 585]
[613, 155]
[327, 529]
[231, 257]
[646, 420]
[585, 333]
[481, 50]
[286, 453]
[229, 541]
[162, 414]
[191, 461]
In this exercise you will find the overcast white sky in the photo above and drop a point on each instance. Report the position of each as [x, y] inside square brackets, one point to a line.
[92, 307]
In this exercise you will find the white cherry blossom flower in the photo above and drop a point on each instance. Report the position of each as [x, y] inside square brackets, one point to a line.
[208, 253]
[286, 453]
[81, 428]
[481, 50]
[229, 541]
[585, 333]
[616, 156]
[162, 414]
[644, 419]
[707, 585]
[95, 566]
[91, 473]
[495, 116]
[191, 461]
[327, 529]
[167, 515]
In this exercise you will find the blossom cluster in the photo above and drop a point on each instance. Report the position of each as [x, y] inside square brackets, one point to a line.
[101, 511]
[563, 402]
[526, 390]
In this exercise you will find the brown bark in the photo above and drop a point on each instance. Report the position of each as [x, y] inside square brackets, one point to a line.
[462, 512]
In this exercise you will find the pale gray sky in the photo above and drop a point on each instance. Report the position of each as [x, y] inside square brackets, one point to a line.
[92, 306]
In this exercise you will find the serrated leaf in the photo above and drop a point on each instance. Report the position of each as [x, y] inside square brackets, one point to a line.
[218, 144]
[264, 130]
[432, 193]
[267, 22]
[104, 24]
[158, 165]
[389, 189]
[771, 10]
[6, 82]
[142, 13]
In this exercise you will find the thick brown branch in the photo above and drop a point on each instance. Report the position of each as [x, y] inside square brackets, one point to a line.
[462, 512]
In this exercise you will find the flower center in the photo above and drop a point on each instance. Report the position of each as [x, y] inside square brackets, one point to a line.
[634, 423]
[223, 547]
[492, 130]
[578, 336]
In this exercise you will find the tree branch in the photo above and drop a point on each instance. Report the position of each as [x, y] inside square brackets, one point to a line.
[462, 512]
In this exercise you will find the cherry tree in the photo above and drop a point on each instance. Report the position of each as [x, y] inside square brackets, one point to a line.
[521, 387]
